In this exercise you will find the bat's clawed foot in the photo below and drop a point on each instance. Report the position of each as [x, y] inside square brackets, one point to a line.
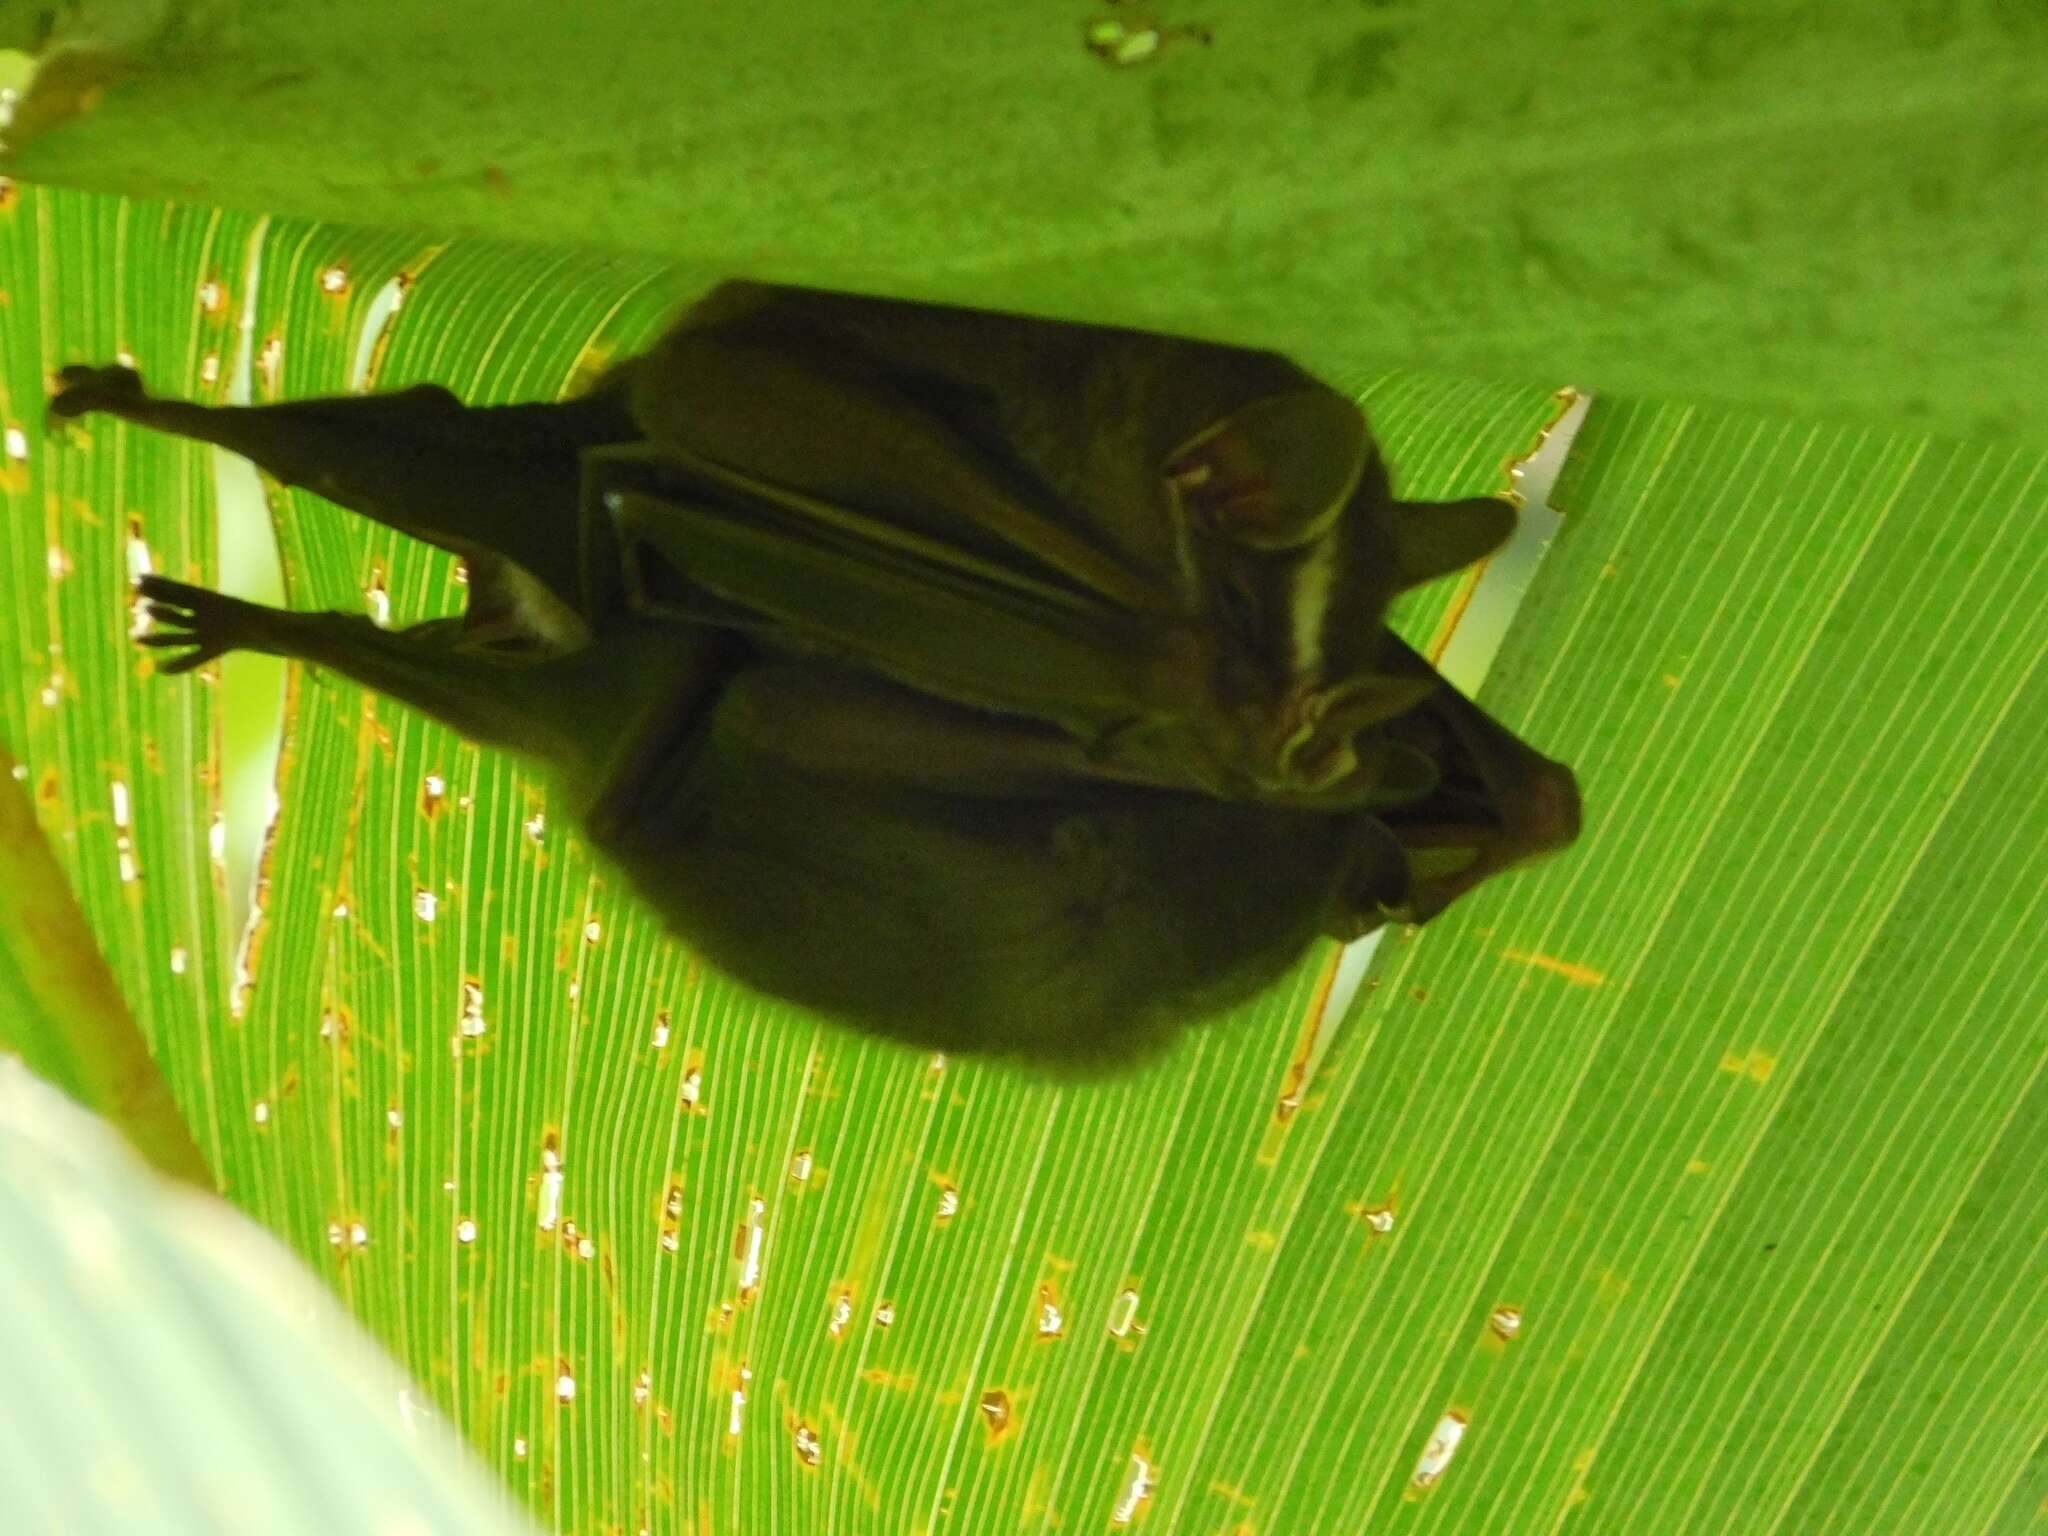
[83, 389]
[195, 624]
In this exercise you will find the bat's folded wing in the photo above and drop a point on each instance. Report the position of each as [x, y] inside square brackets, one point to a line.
[698, 541]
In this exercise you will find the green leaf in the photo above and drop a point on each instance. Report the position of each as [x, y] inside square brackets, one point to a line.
[1700, 1169]
[1760, 1082]
[115, 764]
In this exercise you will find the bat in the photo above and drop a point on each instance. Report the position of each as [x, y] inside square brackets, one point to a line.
[983, 682]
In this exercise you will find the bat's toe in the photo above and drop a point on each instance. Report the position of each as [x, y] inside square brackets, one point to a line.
[82, 389]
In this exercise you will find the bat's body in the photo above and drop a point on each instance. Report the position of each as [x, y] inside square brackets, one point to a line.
[985, 682]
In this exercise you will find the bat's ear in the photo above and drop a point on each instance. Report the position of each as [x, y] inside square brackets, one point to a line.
[1435, 538]
[1275, 473]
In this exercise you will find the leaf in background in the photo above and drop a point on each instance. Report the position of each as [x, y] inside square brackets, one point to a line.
[171, 1370]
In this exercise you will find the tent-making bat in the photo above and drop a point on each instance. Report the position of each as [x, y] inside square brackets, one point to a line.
[985, 682]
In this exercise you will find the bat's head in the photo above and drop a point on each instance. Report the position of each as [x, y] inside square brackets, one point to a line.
[1295, 545]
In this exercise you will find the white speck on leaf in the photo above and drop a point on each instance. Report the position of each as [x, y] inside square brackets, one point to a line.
[472, 1023]
[1123, 1314]
[1442, 1446]
[1137, 1488]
